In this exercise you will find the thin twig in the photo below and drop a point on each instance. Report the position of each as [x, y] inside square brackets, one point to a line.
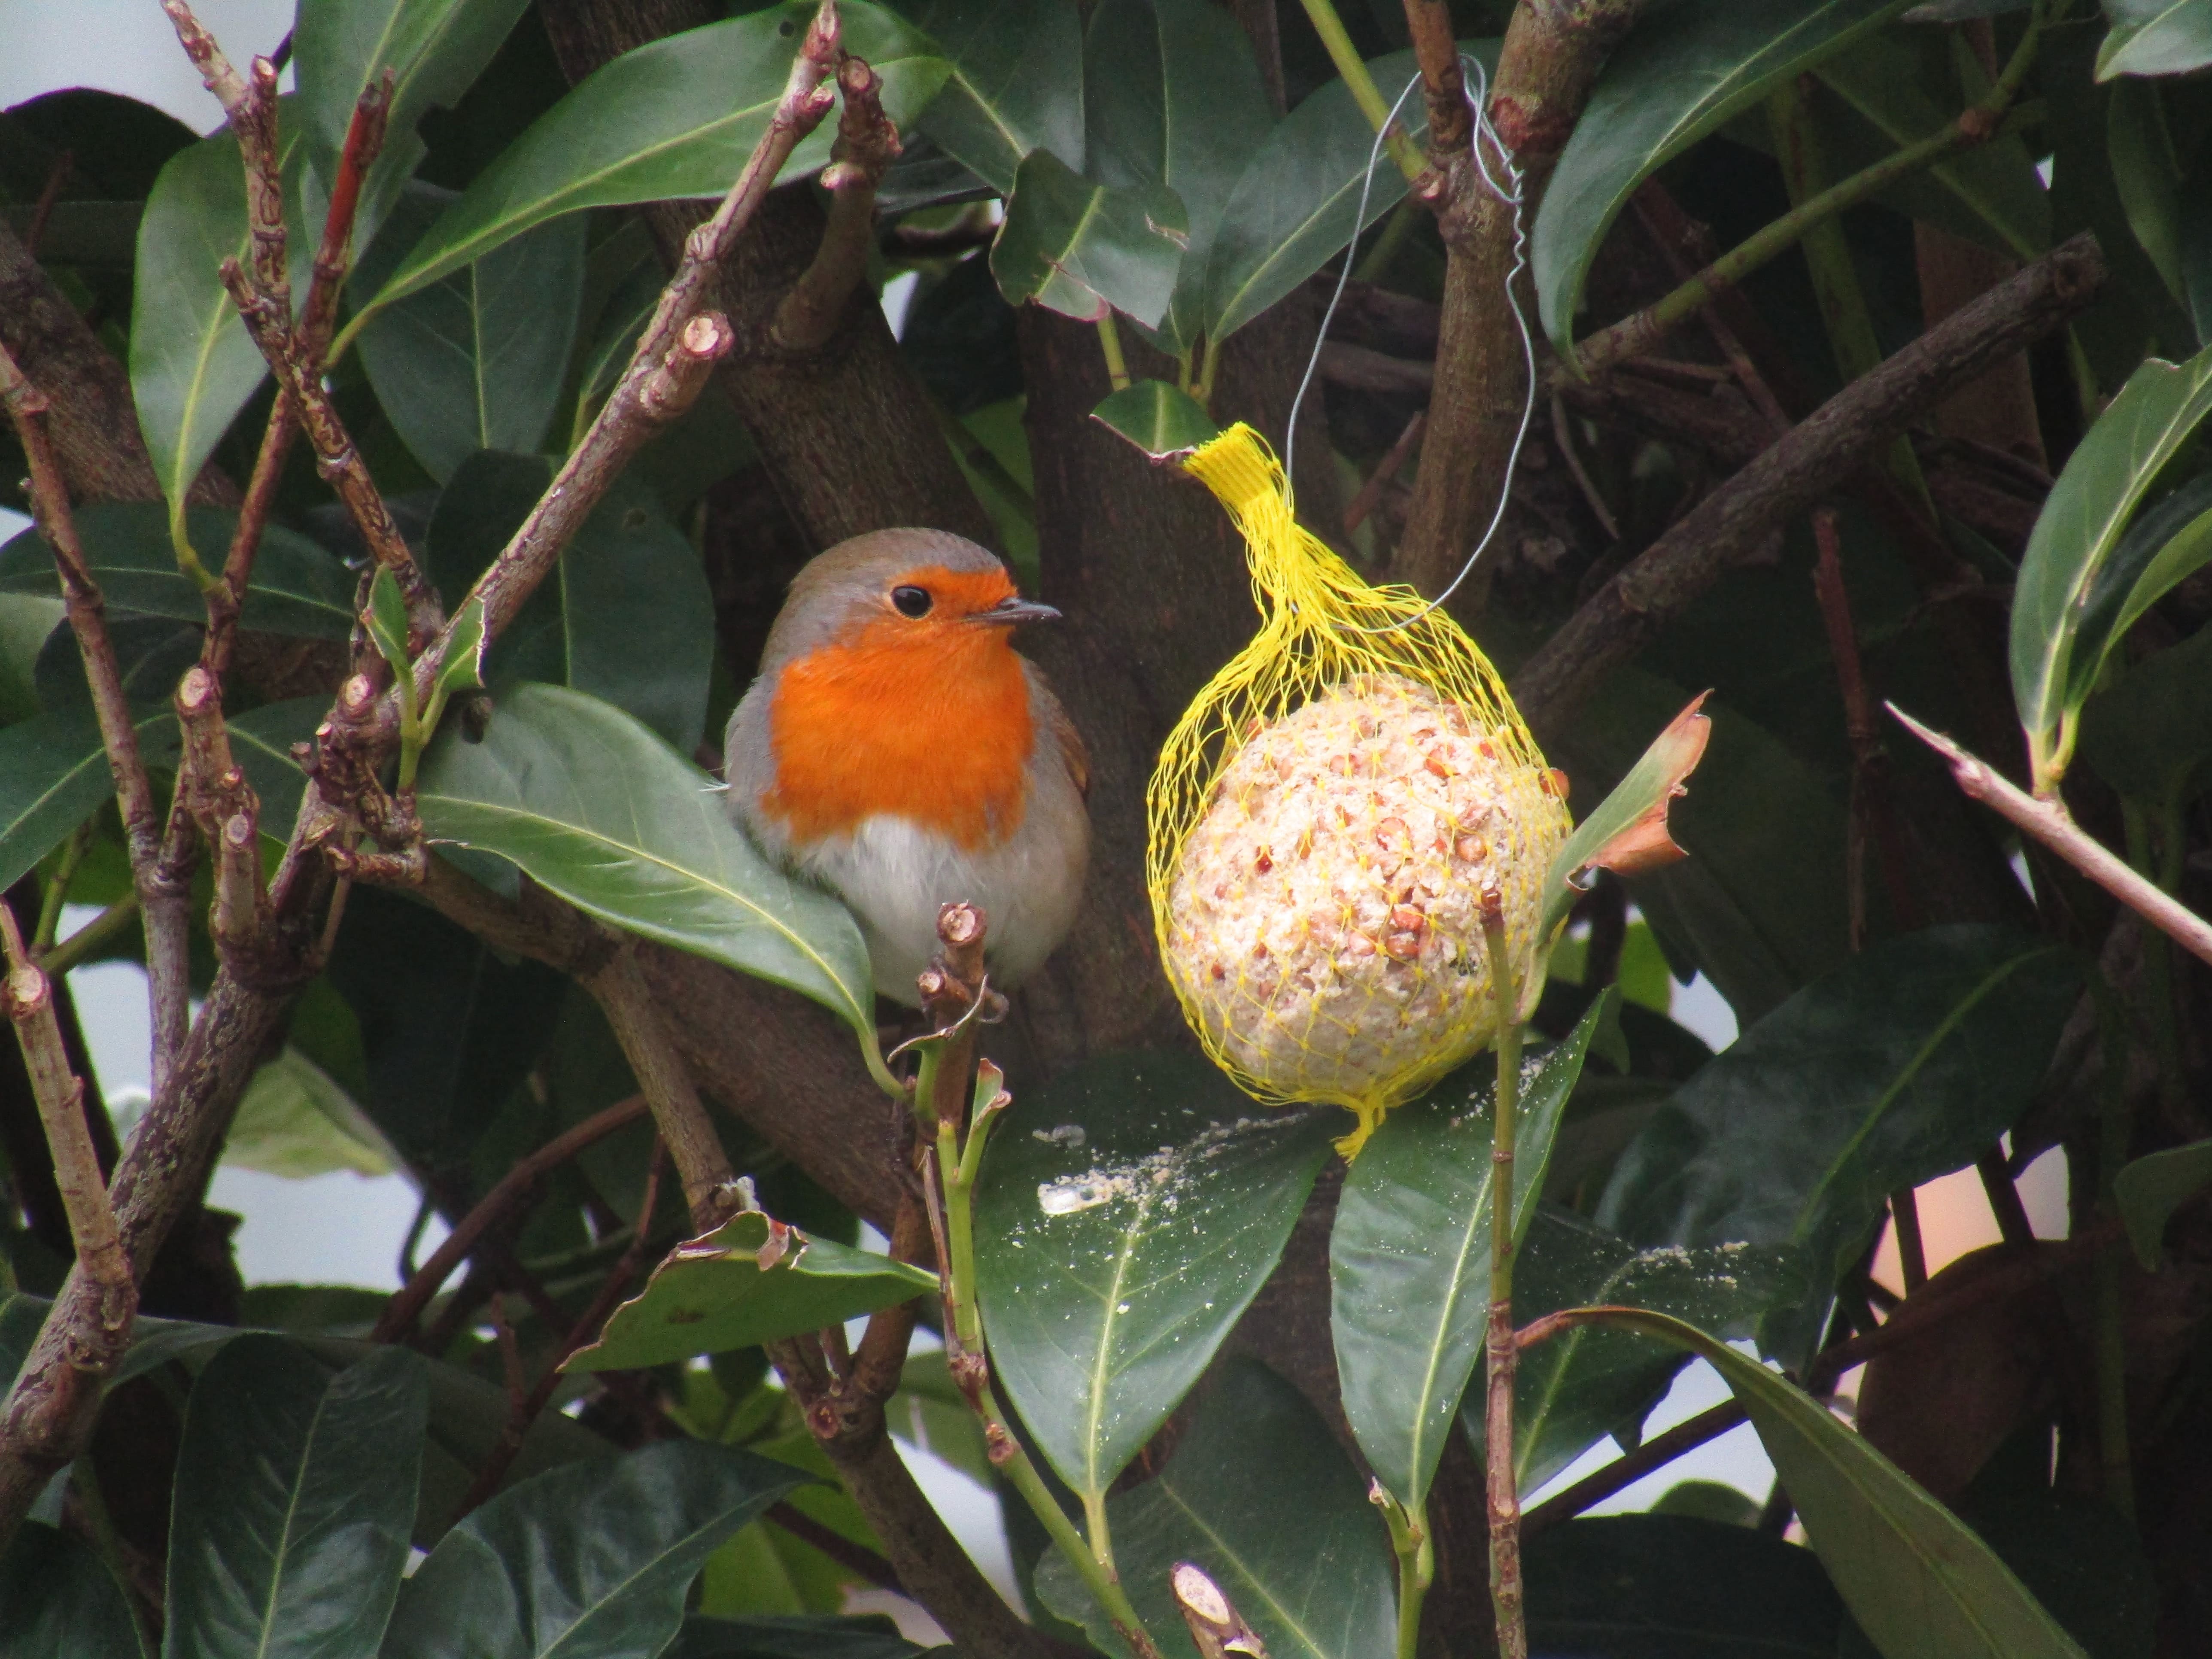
[856, 1559]
[1501, 1351]
[163, 902]
[2048, 821]
[1629, 1467]
[702, 1164]
[400, 1313]
[1385, 469]
[57, 176]
[868, 143]
[1563, 435]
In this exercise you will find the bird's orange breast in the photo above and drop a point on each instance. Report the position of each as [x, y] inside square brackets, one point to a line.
[928, 723]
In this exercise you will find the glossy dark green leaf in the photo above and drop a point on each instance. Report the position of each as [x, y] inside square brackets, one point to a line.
[295, 1491]
[1917, 1578]
[1993, 187]
[476, 361]
[676, 118]
[1297, 202]
[1668, 1587]
[1016, 84]
[54, 774]
[386, 617]
[2149, 734]
[2151, 1189]
[1676, 78]
[2077, 1555]
[588, 1561]
[293, 1120]
[192, 365]
[298, 588]
[153, 1342]
[2054, 661]
[750, 1281]
[1409, 1255]
[1172, 95]
[595, 807]
[626, 615]
[1903, 1065]
[434, 48]
[1161, 420]
[2146, 173]
[1081, 248]
[2156, 37]
[816, 1635]
[1573, 1390]
[58, 1601]
[1130, 1211]
[1259, 1494]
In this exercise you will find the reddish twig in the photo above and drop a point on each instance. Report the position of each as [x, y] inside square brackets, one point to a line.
[2046, 819]
[57, 176]
[526, 1408]
[856, 1559]
[401, 1312]
[1385, 469]
[868, 143]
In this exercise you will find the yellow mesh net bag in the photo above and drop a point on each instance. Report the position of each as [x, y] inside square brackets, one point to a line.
[1326, 818]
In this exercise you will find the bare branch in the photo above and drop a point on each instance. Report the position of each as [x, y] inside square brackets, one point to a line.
[162, 901]
[1216, 1627]
[224, 82]
[2046, 817]
[702, 1164]
[1788, 477]
[868, 143]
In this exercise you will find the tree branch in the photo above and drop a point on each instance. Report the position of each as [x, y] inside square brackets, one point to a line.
[163, 902]
[2046, 818]
[868, 143]
[1833, 441]
[1552, 53]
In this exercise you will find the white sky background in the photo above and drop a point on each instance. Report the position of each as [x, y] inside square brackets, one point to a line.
[344, 1229]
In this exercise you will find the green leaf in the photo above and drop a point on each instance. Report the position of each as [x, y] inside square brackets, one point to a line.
[1298, 202]
[2146, 173]
[298, 588]
[476, 360]
[594, 807]
[2055, 656]
[1621, 833]
[1130, 1211]
[676, 118]
[293, 1120]
[58, 1601]
[1677, 78]
[435, 48]
[751, 1281]
[1917, 1578]
[387, 621]
[1409, 1255]
[2156, 37]
[1993, 187]
[2151, 1189]
[1570, 1392]
[1668, 1587]
[1172, 95]
[589, 1561]
[54, 774]
[1905, 1063]
[1161, 420]
[464, 665]
[295, 1490]
[1016, 84]
[2149, 734]
[153, 1342]
[814, 1636]
[1258, 1494]
[626, 615]
[192, 364]
[1081, 249]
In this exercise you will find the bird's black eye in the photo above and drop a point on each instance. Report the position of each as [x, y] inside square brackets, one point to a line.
[911, 601]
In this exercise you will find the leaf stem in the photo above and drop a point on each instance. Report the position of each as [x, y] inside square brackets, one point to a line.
[1417, 1562]
[57, 886]
[1109, 345]
[1503, 1351]
[1373, 103]
[90, 937]
[1977, 125]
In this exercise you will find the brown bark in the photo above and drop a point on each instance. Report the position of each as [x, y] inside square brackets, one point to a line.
[1999, 408]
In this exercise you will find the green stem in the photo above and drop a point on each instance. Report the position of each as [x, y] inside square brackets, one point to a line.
[1373, 103]
[90, 937]
[1208, 363]
[57, 893]
[1395, 229]
[1416, 1562]
[1979, 124]
[1504, 1352]
[1109, 343]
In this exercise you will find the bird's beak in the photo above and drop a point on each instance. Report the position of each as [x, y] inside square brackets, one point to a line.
[1009, 611]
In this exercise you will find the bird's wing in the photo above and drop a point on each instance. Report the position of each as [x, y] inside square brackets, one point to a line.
[1072, 753]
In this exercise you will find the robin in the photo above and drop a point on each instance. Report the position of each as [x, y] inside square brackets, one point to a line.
[898, 751]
